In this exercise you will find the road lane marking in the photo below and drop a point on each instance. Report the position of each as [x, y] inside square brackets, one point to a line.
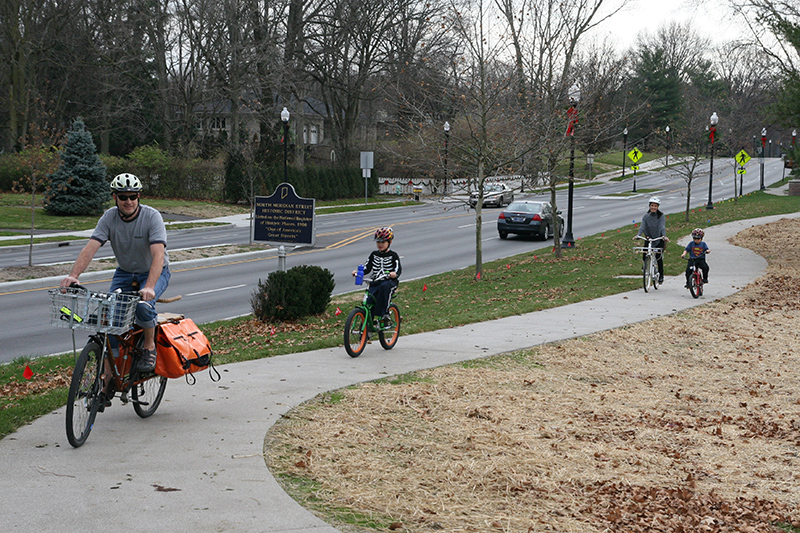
[216, 290]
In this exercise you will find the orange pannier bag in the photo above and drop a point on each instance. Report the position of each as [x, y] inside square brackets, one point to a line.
[183, 350]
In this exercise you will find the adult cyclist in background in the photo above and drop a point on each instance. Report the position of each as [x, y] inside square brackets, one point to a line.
[381, 261]
[139, 240]
[654, 225]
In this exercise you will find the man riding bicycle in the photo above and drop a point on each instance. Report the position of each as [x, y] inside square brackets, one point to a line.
[139, 240]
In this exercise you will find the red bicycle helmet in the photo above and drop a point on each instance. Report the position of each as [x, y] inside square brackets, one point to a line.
[384, 235]
[697, 232]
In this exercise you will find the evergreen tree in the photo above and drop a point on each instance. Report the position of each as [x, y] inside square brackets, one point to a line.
[79, 186]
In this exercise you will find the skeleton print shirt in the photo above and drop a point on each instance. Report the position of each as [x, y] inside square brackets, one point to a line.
[387, 261]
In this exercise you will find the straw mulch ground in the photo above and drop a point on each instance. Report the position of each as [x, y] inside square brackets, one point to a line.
[682, 424]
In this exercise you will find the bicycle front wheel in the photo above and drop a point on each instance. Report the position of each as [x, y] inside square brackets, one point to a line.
[355, 332]
[656, 274]
[388, 336]
[83, 399]
[696, 285]
[147, 395]
[647, 274]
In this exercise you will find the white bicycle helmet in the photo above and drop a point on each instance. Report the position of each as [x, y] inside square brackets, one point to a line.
[126, 183]
[655, 200]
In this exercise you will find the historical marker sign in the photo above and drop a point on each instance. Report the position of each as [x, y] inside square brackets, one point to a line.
[284, 218]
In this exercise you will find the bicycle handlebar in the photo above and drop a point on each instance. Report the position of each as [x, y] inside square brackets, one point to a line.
[648, 238]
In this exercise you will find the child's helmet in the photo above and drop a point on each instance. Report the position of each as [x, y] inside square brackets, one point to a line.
[126, 183]
[384, 234]
[655, 200]
[697, 232]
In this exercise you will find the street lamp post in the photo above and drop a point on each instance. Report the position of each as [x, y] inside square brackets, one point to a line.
[625, 149]
[666, 163]
[714, 120]
[572, 114]
[761, 159]
[794, 136]
[285, 119]
[446, 141]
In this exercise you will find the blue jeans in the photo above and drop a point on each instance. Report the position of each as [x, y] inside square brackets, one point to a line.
[146, 315]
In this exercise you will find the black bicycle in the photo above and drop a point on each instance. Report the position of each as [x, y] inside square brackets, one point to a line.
[106, 365]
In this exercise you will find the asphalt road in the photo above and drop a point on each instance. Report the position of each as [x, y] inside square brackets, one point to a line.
[430, 238]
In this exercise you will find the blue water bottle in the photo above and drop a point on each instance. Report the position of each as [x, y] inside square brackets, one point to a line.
[360, 275]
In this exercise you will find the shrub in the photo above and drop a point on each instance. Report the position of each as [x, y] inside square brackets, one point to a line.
[301, 291]
[320, 287]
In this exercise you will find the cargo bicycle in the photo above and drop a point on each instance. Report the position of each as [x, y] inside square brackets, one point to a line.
[361, 323]
[106, 365]
[650, 272]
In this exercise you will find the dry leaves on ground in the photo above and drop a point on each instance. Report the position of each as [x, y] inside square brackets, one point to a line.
[685, 423]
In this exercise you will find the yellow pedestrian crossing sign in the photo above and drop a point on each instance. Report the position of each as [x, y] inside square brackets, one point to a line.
[635, 155]
[742, 158]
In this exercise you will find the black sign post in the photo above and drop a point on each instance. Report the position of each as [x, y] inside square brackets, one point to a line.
[284, 218]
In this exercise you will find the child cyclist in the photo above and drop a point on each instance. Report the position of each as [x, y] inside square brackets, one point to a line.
[382, 261]
[696, 250]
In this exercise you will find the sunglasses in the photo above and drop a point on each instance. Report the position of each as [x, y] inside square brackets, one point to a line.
[126, 197]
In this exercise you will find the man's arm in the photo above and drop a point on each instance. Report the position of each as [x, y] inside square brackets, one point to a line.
[148, 292]
[83, 260]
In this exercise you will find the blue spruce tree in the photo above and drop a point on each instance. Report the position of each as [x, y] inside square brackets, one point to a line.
[79, 186]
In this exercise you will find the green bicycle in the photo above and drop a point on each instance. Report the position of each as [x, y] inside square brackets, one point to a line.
[361, 324]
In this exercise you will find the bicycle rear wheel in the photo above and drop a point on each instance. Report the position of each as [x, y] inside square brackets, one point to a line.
[388, 337]
[147, 395]
[83, 398]
[647, 274]
[696, 284]
[355, 332]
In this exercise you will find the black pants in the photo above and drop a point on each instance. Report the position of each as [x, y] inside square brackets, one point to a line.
[659, 259]
[380, 291]
[700, 262]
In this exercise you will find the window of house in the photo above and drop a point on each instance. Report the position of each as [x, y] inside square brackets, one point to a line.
[217, 123]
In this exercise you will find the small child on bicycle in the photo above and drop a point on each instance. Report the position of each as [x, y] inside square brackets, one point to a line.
[385, 267]
[696, 250]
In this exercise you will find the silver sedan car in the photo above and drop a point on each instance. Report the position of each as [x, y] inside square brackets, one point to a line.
[494, 194]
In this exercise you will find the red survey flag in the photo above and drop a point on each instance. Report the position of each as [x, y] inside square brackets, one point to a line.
[424, 287]
[27, 373]
[338, 312]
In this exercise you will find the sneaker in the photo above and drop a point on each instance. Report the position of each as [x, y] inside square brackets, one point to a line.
[687, 286]
[147, 362]
[705, 281]
[661, 279]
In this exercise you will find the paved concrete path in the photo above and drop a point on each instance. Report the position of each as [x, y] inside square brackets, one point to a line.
[197, 464]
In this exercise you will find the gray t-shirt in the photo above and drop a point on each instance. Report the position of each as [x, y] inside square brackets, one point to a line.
[131, 239]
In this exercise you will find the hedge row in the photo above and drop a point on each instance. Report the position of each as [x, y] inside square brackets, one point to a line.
[167, 177]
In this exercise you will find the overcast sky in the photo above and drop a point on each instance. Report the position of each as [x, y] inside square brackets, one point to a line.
[712, 20]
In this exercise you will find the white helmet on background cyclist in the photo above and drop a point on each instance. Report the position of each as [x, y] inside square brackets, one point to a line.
[655, 200]
[126, 183]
